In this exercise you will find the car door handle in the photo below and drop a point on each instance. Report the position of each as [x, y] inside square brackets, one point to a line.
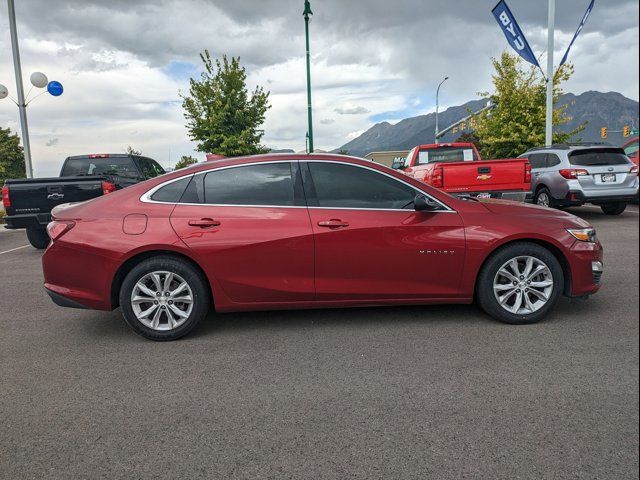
[204, 223]
[333, 223]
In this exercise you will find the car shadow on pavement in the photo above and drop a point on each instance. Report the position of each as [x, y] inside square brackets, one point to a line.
[112, 325]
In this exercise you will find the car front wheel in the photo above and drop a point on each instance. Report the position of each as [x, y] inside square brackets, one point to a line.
[164, 298]
[520, 283]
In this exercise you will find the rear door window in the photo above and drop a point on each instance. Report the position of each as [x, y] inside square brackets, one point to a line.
[262, 184]
[553, 160]
[598, 157]
[538, 160]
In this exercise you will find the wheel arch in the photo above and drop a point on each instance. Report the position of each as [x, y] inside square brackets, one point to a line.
[134, 260]
[547, 244]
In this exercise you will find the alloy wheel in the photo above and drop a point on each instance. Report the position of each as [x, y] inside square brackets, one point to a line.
[543, 199]
[523, 285]
[162, 300]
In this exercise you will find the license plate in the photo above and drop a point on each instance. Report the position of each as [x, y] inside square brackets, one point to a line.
[483, 195]
[608, 177]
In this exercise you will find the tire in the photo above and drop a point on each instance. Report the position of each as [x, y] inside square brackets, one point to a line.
[492, 284]
[38, 238]
[544, 198]
[614, 208]
[167, 317]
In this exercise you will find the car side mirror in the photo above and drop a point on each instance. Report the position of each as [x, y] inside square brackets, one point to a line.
[422, 203]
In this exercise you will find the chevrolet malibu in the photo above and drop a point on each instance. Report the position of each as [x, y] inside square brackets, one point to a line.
[309, 231]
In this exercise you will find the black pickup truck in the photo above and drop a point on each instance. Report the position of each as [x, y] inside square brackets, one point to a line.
[29, 202]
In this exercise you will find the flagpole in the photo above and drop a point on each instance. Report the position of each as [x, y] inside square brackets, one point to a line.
[550, 46]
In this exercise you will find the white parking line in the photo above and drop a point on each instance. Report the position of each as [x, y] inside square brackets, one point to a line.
[14, 249]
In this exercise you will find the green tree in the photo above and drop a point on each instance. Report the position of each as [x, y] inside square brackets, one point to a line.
[470, 137]
[185, 161]
[517, 122]
[221, 115]
[11, 156]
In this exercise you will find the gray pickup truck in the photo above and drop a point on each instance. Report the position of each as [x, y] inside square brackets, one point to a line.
[28, 202]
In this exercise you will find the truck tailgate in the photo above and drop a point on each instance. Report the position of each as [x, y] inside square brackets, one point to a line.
[39, 195]
[486, 176]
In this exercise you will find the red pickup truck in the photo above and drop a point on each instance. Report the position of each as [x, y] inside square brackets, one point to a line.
[458, 169]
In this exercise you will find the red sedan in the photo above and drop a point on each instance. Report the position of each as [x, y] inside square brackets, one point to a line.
[292, 231]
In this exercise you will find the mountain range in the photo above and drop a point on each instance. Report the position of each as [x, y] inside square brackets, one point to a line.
[611, 109]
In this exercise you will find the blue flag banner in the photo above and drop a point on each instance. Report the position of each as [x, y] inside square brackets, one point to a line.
[512, 31]
[582, 22]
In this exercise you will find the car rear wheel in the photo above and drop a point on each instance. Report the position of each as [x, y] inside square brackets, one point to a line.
[38, 238]
[544, 198]
[164, 298]
[614, 208]
[520, 283]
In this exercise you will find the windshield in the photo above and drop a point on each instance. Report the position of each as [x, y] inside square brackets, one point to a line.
[597, 157]
[80, 167]
[445, 155]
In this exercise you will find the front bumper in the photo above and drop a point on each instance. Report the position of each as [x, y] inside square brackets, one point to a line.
[587, 267]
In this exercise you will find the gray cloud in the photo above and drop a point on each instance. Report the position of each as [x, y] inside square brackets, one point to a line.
[359, 110]
[52, 142]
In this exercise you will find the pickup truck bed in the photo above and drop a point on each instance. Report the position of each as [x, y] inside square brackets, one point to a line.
[31, 201]
[458, 169]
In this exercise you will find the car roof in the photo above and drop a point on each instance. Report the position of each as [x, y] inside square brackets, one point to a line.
[573, 146]
[270, 157]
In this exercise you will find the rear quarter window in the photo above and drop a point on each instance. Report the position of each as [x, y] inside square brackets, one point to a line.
[172, 192]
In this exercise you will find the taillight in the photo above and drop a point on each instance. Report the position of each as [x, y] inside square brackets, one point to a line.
[6, 201]
[99, 155]
[57, 228]
[527, 173]
[438, 177]
[633, 171]
[573, 173]
[108, 187]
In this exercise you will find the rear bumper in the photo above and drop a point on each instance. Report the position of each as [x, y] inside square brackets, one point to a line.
[63, 301]
[514, 195]
[39, 220]
[578, 197]
[77, 278]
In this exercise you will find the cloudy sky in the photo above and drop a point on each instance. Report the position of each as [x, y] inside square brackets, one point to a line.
[124, 62]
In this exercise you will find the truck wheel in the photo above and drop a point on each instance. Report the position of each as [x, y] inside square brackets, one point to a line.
[613, 208]
[520, 283]
[38, 238]
[164, 298]
[544, 198]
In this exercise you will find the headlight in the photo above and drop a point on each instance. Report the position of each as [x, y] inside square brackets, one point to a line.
[583, 234]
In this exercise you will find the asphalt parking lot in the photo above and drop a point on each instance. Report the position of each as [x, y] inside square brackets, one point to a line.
[420, 392]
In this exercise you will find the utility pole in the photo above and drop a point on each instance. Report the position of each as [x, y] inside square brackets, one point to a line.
[437, 107]
[21, 102]
[550, 46]
[307, 13]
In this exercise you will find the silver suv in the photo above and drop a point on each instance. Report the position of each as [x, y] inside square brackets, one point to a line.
[572, 175]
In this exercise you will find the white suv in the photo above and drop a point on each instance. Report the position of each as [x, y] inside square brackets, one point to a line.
[570, 175]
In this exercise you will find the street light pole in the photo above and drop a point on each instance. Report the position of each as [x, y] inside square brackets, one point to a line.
[550, 46]
[307, 13]
[437, 106]
[21, 102]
